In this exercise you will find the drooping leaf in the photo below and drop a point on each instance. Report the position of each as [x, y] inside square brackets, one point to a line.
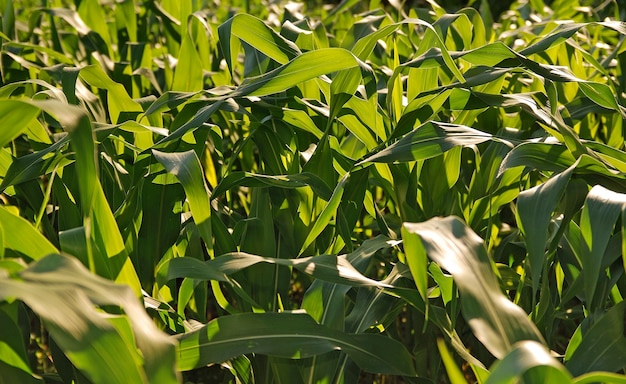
[61, 291]
[290, 335]
[496, 321]
[304, 67]
[531, 362]
[429, 140]
[257, 34]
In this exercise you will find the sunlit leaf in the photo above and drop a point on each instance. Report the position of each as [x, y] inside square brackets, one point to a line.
[496, 321]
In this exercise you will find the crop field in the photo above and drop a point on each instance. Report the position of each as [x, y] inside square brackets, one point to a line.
[269, 191]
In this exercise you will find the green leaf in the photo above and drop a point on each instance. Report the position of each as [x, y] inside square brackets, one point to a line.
[417, 260]
[11, 374]
[33, 165]
[16, 116]
[488, 55]
[534, 209]
[556, 158]
[603, 345]
[331, 268]
[257, 34]
[530, 362]
[13, 353]
[97, 214]
[327, 213]
[600, 94]
[20, 236]
[289, 335]
[600, 377]
[454, 373]
[601, 210]
[93, 15]
[248, 179]
[304, 67]
[117, 98]
[427, 141]
[188, 76]
[188, 170]
[64, 294]
[495, 320]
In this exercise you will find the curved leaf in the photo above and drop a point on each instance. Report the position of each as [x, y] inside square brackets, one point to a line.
[530, 361]
[289, 335]
[304, 67]
[429, 140]
[64, 293]
[495, 320]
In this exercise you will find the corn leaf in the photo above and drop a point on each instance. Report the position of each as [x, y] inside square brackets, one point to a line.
[289, 335]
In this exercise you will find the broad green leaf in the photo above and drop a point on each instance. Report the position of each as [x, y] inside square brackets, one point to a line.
[97, 214]
[188, 76]
[600, 377]
[600, 94]
[565, 31]
[169, 100]
[20, 235]
[427, 141]
[248, 179]
[33, 165]
[556, 158]
[331, 268]
[13, 354]
[601, 210]
[126, 12]
[160, 224]
[531, 362]
[11, 374]
[489, 55]
[289, 335]
[535, 207]
[495, 320]
[199, 119]
[304, 67]
[93, 15]
[302, 120]
[417, 260]
[70, 16]
[265, 282]
[64, 293]
[117, 97]
[343, 86]
[188, 170]
[325, 302]
[16, 116]
[454, 372]
[257, 34]
[603, 345]
[327, 213]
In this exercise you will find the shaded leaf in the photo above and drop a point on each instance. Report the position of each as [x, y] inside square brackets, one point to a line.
[290, 335]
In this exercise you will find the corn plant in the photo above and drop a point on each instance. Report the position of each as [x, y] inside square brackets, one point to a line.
[280, 192]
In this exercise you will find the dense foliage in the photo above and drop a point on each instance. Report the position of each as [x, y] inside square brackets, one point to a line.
[280, 192]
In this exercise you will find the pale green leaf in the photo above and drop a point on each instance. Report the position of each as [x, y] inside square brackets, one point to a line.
[531, 362]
